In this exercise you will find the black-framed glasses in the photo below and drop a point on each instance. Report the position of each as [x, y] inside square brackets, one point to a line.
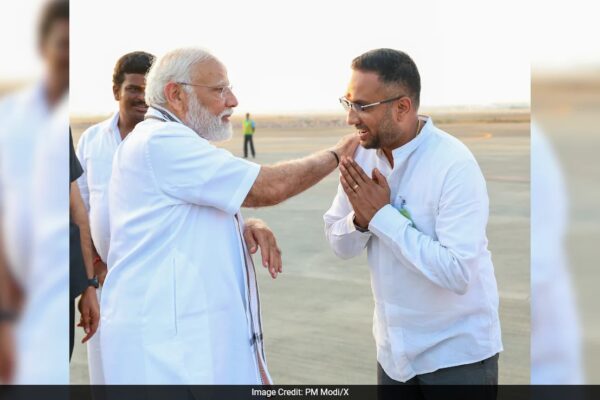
[222, 89]
[347, 104]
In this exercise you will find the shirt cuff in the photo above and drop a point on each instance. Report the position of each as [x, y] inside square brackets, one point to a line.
[387, 221]
[351, 226]
[346, 226]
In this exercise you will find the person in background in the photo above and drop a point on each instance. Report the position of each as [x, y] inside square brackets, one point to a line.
[249, 126]
[95, 150]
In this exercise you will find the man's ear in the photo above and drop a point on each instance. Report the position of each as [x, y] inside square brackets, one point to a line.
[403, 107]
[175, 96]
[116, 92]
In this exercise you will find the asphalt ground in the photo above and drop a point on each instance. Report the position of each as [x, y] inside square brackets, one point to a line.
[317, 315]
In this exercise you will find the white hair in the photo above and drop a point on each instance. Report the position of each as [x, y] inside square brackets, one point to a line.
[174, 66]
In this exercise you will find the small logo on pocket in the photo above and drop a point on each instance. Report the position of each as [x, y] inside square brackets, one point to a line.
[404, 211]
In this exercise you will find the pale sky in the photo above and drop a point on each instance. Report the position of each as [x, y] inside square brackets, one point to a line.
[17, 40]
[294, 56]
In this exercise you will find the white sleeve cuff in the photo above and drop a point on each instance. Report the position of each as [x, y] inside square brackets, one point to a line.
[387, 221]
[346, 226]
[351, 227]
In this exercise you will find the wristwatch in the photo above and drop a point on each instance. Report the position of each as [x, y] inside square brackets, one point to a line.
[7, 316]
[359, 228]
[94, 282]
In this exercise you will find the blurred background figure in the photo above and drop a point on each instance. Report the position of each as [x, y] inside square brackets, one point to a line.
[34, 204]
[565, 194]
[555, 340]
[249, 126]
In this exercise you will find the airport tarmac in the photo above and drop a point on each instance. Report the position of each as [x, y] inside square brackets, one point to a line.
[317, 315]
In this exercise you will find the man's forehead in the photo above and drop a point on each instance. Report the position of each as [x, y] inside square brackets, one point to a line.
[363, 85]
[210, 72]
[59, 26]
[134, 79]
[58, 30]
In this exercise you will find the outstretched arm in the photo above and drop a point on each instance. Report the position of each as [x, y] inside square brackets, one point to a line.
[281, 181]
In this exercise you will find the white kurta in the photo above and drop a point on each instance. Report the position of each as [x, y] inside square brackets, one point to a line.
[436, 298]
[24, 115]
[175, 301]
[43, 328]
[95, 151]
[555, 337]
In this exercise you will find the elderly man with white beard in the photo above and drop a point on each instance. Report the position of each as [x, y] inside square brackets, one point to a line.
[180, 302]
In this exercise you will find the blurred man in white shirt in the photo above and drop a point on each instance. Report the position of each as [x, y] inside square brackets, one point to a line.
[33, 130]
[414, 197]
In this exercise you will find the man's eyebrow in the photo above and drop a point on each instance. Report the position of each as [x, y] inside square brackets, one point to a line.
[357, 101]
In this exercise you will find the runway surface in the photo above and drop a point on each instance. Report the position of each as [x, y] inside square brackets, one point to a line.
[317, 315]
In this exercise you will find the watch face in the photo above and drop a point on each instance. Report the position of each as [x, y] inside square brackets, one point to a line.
[94, 282]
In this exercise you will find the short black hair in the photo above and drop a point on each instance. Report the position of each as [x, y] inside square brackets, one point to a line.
[392, 67]
[137, 62]
[53, 10]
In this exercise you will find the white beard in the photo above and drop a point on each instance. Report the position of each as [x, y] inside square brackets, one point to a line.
[206, 125]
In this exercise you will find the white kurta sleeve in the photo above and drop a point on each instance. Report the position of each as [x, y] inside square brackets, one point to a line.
[82, 180]
[344, 239]
[460, 227]
[190, 169]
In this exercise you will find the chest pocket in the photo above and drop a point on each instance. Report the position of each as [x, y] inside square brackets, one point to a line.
[423, 215]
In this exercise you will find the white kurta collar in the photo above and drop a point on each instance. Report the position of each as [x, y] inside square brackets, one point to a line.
[39, 99]
[113, 128]
[155, 111]
[404, 150]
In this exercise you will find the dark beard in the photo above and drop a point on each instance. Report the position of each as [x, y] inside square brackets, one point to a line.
[374, 143]
[384, 131]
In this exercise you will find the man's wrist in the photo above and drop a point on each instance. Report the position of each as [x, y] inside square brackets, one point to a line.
[93, 282]
[337, 157]
[359, 227]
[7, 316]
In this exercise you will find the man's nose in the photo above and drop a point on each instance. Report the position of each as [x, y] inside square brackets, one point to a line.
[231, 100]
[352, 117]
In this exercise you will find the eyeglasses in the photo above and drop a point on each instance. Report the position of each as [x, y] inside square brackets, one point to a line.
[347, 104]
[222, 90]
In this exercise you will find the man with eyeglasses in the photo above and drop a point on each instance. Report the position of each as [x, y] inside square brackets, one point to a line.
[180, 302]
[414, 197]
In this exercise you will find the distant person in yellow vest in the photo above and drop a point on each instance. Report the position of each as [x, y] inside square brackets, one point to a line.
[249, 127]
